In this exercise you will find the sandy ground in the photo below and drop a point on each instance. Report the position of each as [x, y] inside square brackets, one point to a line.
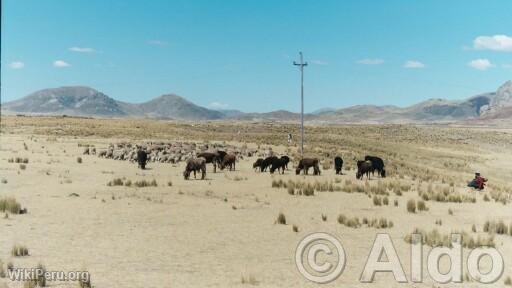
[199, 233]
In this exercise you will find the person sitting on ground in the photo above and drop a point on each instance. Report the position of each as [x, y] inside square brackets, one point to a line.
[478, 182]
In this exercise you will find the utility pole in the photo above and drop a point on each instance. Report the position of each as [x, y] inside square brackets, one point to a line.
[301, 65]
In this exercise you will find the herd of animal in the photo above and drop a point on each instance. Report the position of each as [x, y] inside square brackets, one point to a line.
[369, 165]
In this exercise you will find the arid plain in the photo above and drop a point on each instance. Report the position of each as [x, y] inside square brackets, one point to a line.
[224, 231]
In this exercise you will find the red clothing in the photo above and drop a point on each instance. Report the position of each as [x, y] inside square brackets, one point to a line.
[479, 180]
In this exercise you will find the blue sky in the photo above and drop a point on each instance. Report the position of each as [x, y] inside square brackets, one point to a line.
[238, 54]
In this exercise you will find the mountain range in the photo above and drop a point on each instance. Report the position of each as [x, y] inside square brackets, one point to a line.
[86, 101]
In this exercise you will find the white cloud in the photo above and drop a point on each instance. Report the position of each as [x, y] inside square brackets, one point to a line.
[82, 49]
[17, 65]
[413, 64]
[157, 43]
[481, 64]
[218, 105]
[369, 61]
[507, 66]
[496, 43]
[319, 62]
[60, 64]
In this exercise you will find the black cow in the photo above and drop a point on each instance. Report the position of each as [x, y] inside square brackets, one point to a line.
[377, 165]
[363, 167]
[142, 158]
[257, 165]
[307, 163]
[278, 164]
[286, 160]
[267, 162]
[338, 165]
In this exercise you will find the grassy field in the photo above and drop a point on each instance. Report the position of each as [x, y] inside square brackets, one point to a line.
[151, 228]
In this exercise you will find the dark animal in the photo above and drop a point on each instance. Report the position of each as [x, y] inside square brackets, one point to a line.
[307, 163]
[210, 158]
[228, 160]
[267, 162]
[194, 165]
[338, 165]
[257, 164]
[220, 156]
[363, 167]
[286, 160]
[278, 164]
[377, 165]
[142, 158]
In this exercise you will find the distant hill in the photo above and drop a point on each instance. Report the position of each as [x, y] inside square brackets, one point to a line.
[77, 101]
[85, 101]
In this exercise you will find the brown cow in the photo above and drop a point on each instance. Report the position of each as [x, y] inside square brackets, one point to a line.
[193, 165]
[307, 163]
[228, 160]
[210, 157]
[364, 167]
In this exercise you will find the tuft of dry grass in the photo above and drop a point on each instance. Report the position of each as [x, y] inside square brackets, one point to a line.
[434, 239]
[249, 280]
[281, 219]
[508, 281]
[411, 206]
[84, 281]
[421, 205]
[19, 251]
[493, 227]
[145, 183]
[10, 204]
[115, 182]
[377, 201]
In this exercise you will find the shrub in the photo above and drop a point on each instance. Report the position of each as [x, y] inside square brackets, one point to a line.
[450, 211]
[79, 160]
[295, 228]
[411, 206]
[324, 217]
[23, 166]
[385, 201]
[169, 183]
